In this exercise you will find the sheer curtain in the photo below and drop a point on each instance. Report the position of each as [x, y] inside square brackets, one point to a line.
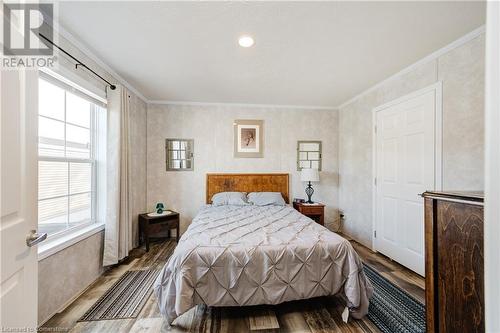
[118, 235]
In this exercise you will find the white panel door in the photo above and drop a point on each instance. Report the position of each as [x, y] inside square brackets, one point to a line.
[18, 276]
[405, 167]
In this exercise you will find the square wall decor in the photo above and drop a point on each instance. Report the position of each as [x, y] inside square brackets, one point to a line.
[179, 154]
[248, 138]
[309, 155]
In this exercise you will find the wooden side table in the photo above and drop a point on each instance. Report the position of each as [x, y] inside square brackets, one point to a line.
[170, 221]
[314, 211]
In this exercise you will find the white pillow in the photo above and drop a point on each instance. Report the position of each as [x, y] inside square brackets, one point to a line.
[229, 198]
[266, 198]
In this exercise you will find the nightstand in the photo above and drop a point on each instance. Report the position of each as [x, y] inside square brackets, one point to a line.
[314, 211]
[148, 224]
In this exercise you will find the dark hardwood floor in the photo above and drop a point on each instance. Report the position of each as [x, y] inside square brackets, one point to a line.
[315, 315]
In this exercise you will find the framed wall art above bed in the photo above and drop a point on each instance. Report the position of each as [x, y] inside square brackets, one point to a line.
[248, 138]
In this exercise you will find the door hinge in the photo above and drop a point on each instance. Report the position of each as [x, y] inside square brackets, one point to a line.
[375, 233]
[375, 181]
[375, 129]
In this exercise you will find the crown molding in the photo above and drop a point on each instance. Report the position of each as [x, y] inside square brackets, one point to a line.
[431, 57]
[85, 50]
[277, 106]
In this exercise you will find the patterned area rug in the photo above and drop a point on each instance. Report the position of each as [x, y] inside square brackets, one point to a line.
[125, 298]
[392, 309]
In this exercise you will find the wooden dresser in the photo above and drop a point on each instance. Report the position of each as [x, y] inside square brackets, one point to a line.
[454, 279]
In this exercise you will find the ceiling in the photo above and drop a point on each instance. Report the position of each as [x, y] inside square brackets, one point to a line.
[305, 53]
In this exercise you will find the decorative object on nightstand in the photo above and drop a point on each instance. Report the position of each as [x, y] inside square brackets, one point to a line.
[315, 211]
[309, 175]
[159, 207]
[154, 222]
[299, 200]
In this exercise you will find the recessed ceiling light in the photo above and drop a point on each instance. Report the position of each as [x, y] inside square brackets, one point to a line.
[246, 41]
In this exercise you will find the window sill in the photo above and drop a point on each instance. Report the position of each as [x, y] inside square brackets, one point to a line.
[46, 249]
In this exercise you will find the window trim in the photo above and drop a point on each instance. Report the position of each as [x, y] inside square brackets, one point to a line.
[61, 240]
[67, 238]
[64, 83]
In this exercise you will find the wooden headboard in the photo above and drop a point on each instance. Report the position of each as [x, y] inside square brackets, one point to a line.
[247, 182]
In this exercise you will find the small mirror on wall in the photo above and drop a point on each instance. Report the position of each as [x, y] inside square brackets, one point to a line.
[179, 154]
[309, 155]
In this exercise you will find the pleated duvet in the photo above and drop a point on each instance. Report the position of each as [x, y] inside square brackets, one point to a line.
[250, 255]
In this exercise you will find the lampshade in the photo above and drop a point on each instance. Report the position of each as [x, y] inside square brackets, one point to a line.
[309, 175]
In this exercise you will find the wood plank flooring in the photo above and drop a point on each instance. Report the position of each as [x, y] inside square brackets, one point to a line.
[316, 315]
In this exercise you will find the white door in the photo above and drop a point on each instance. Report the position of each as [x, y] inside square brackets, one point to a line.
[18, 284]
[405, 167]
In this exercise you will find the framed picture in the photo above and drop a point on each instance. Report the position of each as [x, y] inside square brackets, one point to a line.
[248, 136]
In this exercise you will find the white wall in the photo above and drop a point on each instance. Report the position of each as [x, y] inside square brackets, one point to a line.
[211, 127]
[462, 72]
[492, 190]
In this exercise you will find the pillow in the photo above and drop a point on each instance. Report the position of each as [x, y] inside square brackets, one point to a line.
[229, 198]
[266, 198]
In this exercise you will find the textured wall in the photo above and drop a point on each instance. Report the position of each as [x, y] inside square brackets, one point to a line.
[137, 191]
[462, 72]
[62, 276]
[211, 127]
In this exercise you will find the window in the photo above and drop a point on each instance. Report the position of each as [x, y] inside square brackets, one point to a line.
[179, 154]
[309, 155]
[67, 150]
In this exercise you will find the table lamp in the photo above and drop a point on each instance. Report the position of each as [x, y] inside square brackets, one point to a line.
[309, 175]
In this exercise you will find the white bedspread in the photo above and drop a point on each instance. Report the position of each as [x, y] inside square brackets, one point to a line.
[248, 255]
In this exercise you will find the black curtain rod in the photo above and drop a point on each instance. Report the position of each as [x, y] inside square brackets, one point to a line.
[78, 62]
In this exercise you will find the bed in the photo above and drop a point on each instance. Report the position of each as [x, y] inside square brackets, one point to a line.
[250, 255]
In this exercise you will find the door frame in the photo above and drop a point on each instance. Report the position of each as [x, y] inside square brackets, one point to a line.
[438, 144]
[492, 163]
